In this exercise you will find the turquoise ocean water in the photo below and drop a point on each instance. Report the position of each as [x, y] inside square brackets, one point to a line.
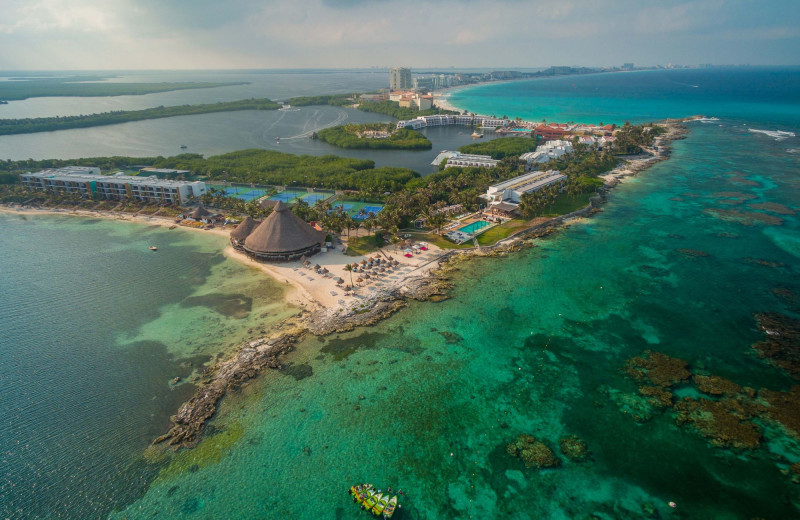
[678, 262]
[94, 327]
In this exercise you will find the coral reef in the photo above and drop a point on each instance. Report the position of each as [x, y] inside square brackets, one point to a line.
[717, 421]
[746, 218]
[659, 369]
[774, 207]
[782, 345]
[784, 408]
[574, 448]
[795, 469]
[716, 385]
[656, 395]
[691, 252]
[533, 453]
[639, 408]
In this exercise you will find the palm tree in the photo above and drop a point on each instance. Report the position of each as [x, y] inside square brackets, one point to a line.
[349, 269]
[348, 223]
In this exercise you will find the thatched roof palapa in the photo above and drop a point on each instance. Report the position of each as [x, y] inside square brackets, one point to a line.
[283, 233]
[200, 212]
[245, 228]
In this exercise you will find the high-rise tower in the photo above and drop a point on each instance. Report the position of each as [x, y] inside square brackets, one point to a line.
[400, 78]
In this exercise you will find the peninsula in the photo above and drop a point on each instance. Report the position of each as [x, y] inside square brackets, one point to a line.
[357, 276]
[48, 124]
[18, 88]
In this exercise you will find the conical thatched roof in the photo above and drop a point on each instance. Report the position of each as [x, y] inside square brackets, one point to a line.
[268, 203]
[199, 212]
[245, 228]
[283, 232]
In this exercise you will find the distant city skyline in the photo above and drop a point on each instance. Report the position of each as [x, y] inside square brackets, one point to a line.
[421, 34]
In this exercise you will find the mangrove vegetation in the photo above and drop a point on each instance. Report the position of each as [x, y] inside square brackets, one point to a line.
[47, 124]
[374, 136]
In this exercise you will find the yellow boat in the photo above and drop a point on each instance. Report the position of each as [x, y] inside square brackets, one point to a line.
[390, 507]
[381, 505]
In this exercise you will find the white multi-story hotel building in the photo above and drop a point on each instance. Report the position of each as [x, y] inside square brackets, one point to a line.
[87, 182]
[547, 152]
[511, 191]
[463, 160]
[444, 120]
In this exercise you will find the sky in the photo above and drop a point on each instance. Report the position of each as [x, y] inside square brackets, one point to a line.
[232, 34]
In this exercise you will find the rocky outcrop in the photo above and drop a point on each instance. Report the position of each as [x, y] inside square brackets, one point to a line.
[250, 359]
[423, 288]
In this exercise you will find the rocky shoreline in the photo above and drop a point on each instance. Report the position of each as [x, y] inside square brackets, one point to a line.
[251, 358]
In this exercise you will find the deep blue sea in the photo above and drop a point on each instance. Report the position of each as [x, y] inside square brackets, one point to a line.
[680, 260]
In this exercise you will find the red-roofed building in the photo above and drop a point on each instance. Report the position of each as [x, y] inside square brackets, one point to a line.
[550, 133]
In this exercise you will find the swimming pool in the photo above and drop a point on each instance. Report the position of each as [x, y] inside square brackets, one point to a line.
[473, 227]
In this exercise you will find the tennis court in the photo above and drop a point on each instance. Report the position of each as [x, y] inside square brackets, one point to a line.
[242, 192]
[312, 198]
[288, 196]
[360, 210]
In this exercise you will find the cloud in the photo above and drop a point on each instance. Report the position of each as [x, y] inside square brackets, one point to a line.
[351, 33]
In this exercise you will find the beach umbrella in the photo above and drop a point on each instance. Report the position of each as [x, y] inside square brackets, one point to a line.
[367, 276]
[359, 279]
[324, 269]
[339, 281]
[317, 266]
[363, 262]
[371, 259]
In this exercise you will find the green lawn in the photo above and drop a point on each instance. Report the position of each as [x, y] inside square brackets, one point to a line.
[440, 241]
[358, 246]
[566, 203]
[504, 230]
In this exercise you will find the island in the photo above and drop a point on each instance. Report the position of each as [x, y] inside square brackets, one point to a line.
[374, 136]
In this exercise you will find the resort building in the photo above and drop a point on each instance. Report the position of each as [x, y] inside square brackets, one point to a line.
[400, 78]
[486, 122]
[88, 182]
[551, 133]
[463, 160]
[281, 237]
[509, 193]
[412, 100]
[547, 152]
[383, 96]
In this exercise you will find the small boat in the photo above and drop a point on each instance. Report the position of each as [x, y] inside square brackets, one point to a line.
[184, 147]
[381, 505]
[173, 227]
[371, 500]
[153, 248]
[358, 490]
[390, 507]
[277, 139]
[476, 135]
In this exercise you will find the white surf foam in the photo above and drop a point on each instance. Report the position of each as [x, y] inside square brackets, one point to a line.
[778, 135]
